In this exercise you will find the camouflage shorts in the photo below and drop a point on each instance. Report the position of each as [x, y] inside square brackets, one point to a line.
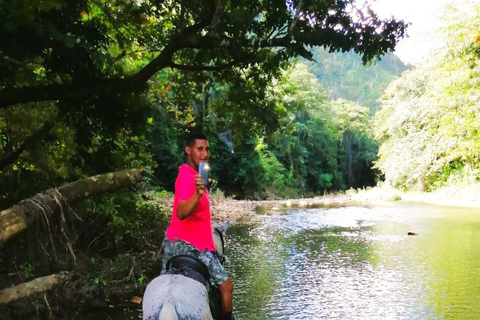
[178, 247]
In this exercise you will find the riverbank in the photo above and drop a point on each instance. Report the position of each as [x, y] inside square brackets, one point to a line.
[224, 208]
[244, 210]
[451, 196]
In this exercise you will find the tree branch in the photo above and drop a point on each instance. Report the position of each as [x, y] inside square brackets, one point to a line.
[193, 37]
[204, 68]
[15, 95]
[295, 18]
[217, 17]
[186, 39]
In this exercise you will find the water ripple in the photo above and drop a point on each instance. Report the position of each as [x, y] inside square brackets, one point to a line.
[349, 263]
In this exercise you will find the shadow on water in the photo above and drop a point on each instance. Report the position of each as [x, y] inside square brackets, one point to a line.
[354, 262]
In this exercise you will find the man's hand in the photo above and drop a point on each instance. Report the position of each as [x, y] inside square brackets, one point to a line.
[199, 185]
[186, 207]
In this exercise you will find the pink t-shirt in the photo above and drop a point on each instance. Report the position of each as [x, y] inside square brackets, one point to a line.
[196, 229]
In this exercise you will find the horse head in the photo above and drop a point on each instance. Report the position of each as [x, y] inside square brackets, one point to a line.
[218, 237]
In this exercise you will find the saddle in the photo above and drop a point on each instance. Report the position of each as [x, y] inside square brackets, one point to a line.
[195, 269]
[190, 267]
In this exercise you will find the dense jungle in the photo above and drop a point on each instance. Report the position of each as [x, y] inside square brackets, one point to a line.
[298, 99]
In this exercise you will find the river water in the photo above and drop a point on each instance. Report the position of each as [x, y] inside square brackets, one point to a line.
[356, 262]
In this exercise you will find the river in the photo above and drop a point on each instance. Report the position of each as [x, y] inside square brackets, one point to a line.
[356, 262]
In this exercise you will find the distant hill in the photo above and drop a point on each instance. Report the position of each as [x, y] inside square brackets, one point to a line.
[344, 76]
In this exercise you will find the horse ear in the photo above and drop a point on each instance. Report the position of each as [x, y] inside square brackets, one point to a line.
[223, 227]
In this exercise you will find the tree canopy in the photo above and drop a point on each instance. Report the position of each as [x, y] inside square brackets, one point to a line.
[78, 50]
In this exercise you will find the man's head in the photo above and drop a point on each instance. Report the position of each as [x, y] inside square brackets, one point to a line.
[197, 149]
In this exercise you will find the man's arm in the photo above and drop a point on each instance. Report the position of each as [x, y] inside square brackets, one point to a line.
[186, 207]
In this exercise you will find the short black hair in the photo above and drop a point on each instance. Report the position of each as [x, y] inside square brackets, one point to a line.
[195, 135]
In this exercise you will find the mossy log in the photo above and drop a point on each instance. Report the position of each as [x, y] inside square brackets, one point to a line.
[19, 217]
[36, 286]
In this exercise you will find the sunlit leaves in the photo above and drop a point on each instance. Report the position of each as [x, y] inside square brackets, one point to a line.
[430, 120]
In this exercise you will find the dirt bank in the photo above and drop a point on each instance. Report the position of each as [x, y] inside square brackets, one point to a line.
[244, 210]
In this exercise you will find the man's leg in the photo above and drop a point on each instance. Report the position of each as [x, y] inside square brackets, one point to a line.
[226, 298]
[218, 277]
[168, 252]
[176, 248]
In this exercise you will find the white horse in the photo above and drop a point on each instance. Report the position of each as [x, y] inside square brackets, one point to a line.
[178, 297]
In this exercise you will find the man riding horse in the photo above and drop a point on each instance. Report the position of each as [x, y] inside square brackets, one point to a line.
[190, 229]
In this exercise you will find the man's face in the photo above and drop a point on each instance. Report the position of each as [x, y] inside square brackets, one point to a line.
[197, 152]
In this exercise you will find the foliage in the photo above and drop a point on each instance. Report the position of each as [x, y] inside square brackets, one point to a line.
[358, 145]
[27, 270]
[429, 122]
[127, 219]
[304, 127]
[277, 181]
[344, 76]
[82, 41]
[311, 144]
[241, 175]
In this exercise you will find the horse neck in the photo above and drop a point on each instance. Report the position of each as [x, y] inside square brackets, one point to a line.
[219, 245]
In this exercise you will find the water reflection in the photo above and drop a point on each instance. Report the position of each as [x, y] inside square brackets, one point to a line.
[357, 263]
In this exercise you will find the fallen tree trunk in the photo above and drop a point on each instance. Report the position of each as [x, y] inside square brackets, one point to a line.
[38, 285]
[19, 217]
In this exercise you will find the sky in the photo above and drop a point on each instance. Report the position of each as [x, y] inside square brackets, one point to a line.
[424, 16]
